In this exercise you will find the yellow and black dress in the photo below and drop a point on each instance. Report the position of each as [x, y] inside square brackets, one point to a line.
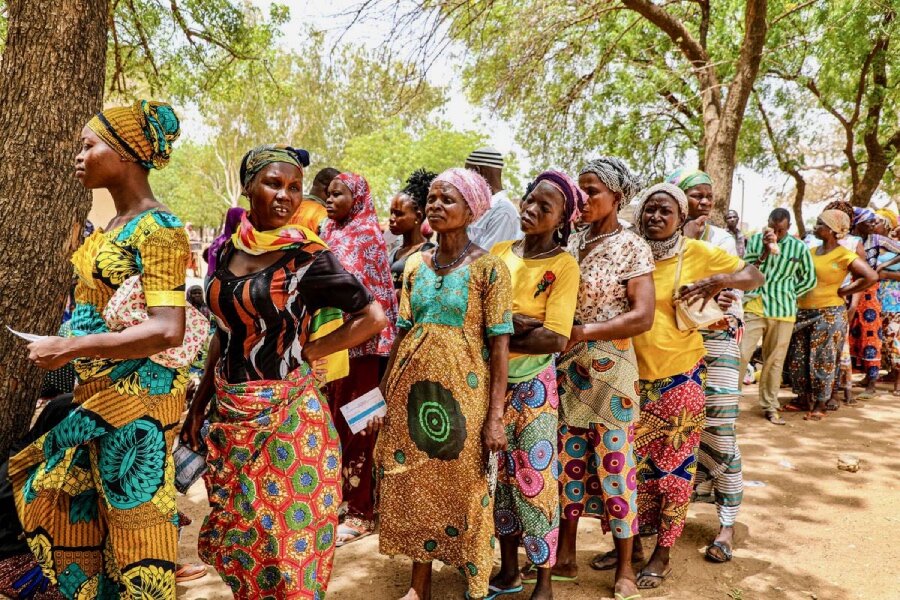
[96, 494]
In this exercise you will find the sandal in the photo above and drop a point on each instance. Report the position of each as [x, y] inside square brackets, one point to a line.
[855, 402]
[659, 579]
[610, 554]
[774, 419]
[189, 572]
[352, 530]
[726, 552]
[529, 575]
[814, 416]
[831, 405]
[494, 592]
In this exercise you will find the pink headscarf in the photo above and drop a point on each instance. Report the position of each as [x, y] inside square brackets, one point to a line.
[474, 189]
[358, 244]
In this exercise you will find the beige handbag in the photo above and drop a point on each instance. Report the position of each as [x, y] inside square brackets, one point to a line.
[689, 317]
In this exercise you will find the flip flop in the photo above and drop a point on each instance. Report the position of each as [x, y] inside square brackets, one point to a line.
[352, 533]
[494, 592]
[812, 416]
[189, 572]
[726, 552]
[529, 576]
[611, 554]
[643, 573]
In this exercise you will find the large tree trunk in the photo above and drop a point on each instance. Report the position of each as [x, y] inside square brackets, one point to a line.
[51, 81]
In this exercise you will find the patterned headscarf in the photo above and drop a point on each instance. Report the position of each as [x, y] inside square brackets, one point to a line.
[616, 176]
[837, 221]
[686, 178]
[141, 133]
[572, 194]
[262, 156]
[863, 215]
[474, 189]
[662, 249]
[358, 244]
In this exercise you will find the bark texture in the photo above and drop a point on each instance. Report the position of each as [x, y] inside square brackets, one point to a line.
[51, 81]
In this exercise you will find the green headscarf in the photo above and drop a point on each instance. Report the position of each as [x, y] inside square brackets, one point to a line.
[686, 178]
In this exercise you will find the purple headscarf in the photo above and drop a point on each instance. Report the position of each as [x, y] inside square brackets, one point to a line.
[474, 189]
[574, 199]
[232, 220]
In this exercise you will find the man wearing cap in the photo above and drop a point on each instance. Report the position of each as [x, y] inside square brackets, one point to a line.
[501, 221]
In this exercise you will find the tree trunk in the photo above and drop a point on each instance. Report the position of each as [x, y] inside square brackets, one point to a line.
[51, 81]
[799, 196]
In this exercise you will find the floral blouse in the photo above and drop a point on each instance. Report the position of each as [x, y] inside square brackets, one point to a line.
[605, 272]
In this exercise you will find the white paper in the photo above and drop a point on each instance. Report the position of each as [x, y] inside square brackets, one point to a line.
[28, 337]
[365, 408]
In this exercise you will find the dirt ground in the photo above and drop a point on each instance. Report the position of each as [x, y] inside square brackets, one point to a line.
[806, 530]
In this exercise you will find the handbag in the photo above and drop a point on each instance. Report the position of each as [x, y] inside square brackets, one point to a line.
[128, 307]
[690, 316]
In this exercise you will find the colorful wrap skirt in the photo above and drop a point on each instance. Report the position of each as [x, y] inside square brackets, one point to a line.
[527, 498]
[865, 333]
[815, 351]
[666, 442]
[274, 488]
[599, 477]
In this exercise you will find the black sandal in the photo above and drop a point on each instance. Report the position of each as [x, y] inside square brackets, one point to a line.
[660, 578]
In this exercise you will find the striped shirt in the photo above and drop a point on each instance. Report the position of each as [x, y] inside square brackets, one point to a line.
[789, 275]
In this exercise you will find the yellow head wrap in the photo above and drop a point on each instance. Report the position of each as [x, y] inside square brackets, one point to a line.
[142, 133]
[889, 215]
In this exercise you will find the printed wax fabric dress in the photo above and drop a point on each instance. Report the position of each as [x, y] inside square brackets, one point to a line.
[434, 498]
[274, 482]
[96, 494]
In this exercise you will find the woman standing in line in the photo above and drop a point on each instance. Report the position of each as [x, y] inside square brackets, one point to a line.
[354, 237]
[598, 376]
[446, 391]
[96, 495]
[889, 297]
[545, 289]
[719, 478]
[815, 347]
[673, 374]
[274, 457]
[866, 324]
[407, 217]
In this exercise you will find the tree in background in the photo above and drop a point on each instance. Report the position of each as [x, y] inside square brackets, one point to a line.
[845, 55]
[55, 55]
[639, 79]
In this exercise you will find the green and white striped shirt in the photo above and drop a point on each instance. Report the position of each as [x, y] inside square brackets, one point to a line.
[789, 275]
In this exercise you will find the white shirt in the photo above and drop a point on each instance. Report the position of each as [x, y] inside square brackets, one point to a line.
[499, 224]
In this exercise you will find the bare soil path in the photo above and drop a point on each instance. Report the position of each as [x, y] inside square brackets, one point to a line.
[806, 530]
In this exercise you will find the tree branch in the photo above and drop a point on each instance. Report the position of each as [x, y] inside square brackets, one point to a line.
[792, 10]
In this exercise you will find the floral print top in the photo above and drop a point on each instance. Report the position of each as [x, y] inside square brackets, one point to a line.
[605, 272]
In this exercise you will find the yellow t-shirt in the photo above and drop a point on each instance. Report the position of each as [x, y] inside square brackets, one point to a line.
[665, 351]
[545, 289]
[831, 271]
[310, 214]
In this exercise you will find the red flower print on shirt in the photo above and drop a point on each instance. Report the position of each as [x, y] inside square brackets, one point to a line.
[545, 282]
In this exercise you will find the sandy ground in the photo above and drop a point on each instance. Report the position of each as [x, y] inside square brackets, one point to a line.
[806, 531]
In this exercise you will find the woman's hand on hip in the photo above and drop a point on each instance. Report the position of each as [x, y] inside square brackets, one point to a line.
[51, 352]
